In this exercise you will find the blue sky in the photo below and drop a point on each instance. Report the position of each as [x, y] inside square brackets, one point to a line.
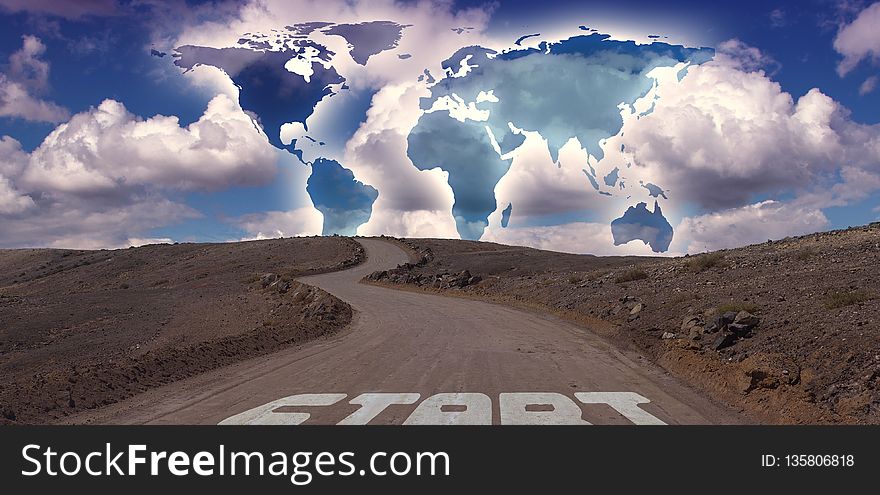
[102, 50]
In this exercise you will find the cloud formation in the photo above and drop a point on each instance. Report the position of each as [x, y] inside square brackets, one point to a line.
[107, 147]
[26, 79]
[859, 40]
[108, 176]
[748, 224]
[274, 224]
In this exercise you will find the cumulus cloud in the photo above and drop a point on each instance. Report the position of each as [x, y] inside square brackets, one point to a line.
[726, 138]
[27, 77]
[576, 237]
[273, 224]
[107, 177]
[108, 147]
[859, 40]
[748, 224]
[12, 201]
[62, 221]
[723, 135]
[15, 101]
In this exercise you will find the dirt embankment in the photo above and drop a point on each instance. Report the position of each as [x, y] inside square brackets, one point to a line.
[83, 329]
[785, 331]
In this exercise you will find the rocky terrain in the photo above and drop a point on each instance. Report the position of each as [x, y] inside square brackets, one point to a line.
[785, 331]
[83, 329]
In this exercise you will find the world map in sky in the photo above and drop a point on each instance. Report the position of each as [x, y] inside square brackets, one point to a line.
[478, 113]
[574, 127]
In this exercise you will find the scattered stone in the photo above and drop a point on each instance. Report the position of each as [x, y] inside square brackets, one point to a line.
[715, 325]
[667, 335]
[747, 319]
[689, 322]
[739, 330]
[726, 339]
[636, 309]
[268, 279]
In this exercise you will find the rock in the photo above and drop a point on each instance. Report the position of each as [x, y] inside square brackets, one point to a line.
[746, 319]
[726, 339]
[268, 279]
[475, 280]
[739, 329]
[695, 332]
[667, 335]
[720, 322]
[283, 286]
[715, 325]
[636, 309]
[690, 322]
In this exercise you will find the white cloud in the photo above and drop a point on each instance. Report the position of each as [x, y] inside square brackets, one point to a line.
[273, 224]
[12, 162]
[726, 134]
[722, 135]
[859, 40]
[747, 225]
[105, 178]
[26, 67]
[15, 101]
[28, 76]
[61, 221]
[868, 85]
[107, 147]
[578, 237]
[12, 201]
[143, 241]
[735, 53]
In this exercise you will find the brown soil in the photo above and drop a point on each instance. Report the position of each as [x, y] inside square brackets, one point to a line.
[813, 358]
[83, 329]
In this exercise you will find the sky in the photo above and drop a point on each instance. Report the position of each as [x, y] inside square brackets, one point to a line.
[107, 142]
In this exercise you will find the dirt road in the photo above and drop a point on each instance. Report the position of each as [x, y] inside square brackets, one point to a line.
[422, 358]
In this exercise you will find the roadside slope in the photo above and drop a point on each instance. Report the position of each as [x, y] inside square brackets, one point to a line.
[83, 329]
[810, 355]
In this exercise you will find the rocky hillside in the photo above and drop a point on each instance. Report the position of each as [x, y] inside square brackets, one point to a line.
[785, 331]
[83, 329]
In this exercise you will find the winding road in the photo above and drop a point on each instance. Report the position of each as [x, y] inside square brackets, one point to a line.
[418, 358]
